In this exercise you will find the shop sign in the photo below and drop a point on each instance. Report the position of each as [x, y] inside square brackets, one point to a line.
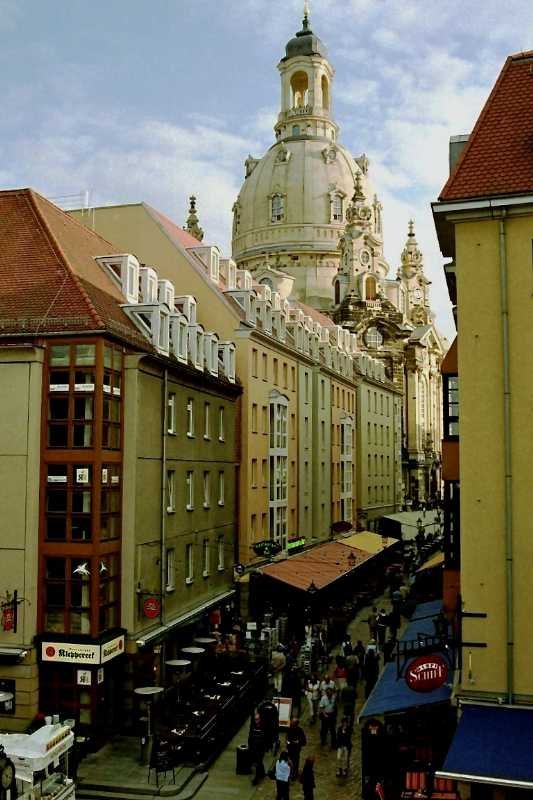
[295, 544]
[100, 675]
[426, 673]
[152, 607]
[84, 677]
[267, 548]
[111, 649]
[104, 475]
[68, 653]
[82, 475]
[8, 618]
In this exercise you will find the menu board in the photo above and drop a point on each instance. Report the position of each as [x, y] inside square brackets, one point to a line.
[162, 758]
[284, 706]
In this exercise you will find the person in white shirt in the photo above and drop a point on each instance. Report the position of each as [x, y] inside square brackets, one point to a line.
[312, 692]
[327, 683]
[283, 774]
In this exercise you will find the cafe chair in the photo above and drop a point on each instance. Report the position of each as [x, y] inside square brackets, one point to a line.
[444, 789]
[416, 784]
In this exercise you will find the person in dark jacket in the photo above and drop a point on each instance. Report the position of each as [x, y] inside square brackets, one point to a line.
[257, 747]
[307, 778]
[296, 739]
[344, 746]
[370, 671]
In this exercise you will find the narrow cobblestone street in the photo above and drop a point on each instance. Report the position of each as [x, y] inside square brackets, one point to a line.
[223, 782]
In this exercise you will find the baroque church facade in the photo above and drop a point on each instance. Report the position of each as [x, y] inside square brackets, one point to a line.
[308, 223]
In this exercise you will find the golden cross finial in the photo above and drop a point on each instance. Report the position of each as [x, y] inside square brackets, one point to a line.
[411, 228]
[306, 9]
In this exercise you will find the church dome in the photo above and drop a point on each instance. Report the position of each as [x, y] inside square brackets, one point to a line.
[293, 202]
[305, 43]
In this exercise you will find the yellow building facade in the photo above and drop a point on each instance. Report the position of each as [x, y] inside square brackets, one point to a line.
[298, 373]
[484, 221]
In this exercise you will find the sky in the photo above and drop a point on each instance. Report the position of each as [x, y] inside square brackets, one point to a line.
[154, 100]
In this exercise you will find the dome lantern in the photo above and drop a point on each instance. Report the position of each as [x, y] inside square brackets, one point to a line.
[306, 77]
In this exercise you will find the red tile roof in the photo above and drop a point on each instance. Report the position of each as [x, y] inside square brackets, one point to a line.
[49, 279]
[183, 236]
[322, 565]
[498, 157]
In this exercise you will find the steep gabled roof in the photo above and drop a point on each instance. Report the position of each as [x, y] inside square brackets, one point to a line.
[49, 279]
[498, 157]
[174, 231]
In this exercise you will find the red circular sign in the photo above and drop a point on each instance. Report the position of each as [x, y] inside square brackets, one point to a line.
[426, 673]
[152, 607]
[50, 652]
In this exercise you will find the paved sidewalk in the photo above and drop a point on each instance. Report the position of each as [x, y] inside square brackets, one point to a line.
[223, 782]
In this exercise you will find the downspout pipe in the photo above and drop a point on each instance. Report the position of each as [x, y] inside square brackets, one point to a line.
[508, 497]
[163, 494]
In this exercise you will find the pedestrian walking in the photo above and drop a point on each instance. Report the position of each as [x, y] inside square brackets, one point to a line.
[257, 747]
[292, 687]
[372, 623]
[370, 671]
[296, 739]
[277, 663]
[346, 646]
[312, 693]
[344, 746]
[283, 775]
[307, 778]
[381, 627]
[327, 714]
[340, 674]
[327, 683]
[347, 699]
[359, 652]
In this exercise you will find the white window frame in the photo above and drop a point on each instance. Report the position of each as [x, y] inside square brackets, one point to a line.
[346, 467]
[171, 413]
[279, 468]
[207, 489]
[206, 559]
[277, 208]
[171, 491]
[170, 569]
[220, 548]
[189, 487]
[221, 416]
[207, 407]
[221, 487]
[190, 418]
[189, 562]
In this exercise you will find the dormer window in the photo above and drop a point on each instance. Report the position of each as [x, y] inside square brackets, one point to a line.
[214, 265]
[373, 338]
[278, 208]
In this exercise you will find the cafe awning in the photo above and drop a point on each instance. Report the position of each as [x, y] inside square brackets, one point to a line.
[320, 566]
[436, 560]
[371, 542]
[391, 693]
[492, 745]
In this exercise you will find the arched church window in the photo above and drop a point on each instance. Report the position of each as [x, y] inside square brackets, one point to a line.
[325, 93]
[267, 282]
[373, 338]
[370, 288]
[295, 130]
[337, 287]
[300, 89]
[278, 208]
[336, 208]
